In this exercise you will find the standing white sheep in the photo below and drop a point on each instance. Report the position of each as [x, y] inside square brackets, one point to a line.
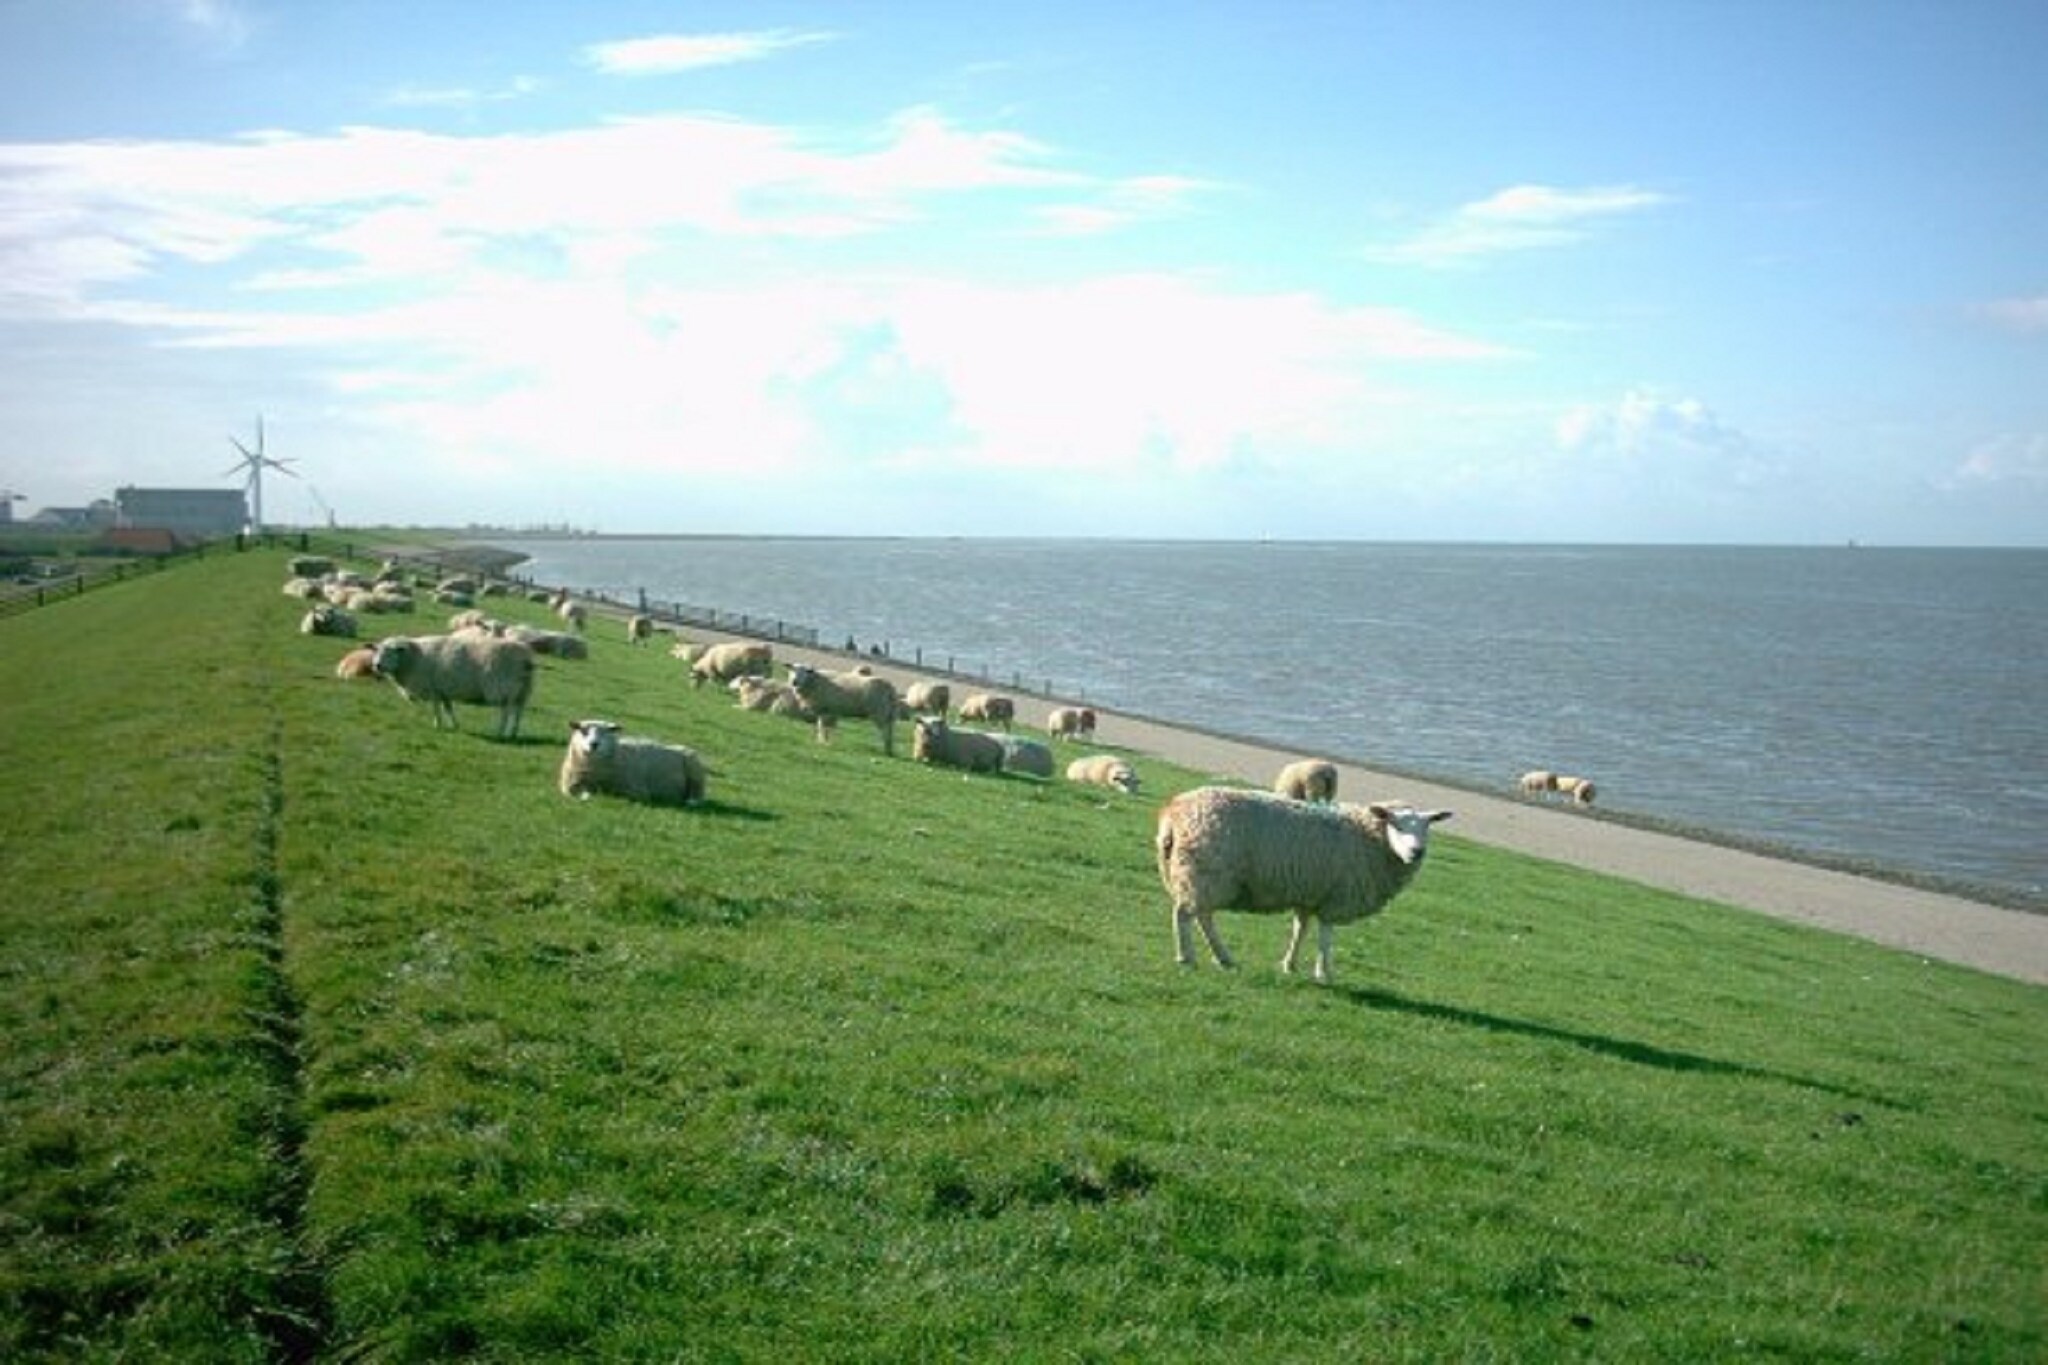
[1071, 722]
[1579, 789]
[639, 629]
[928, 699]
[1225, 848]
[852, 695]
[990, 710]
[600, 759]
[477, 670]
[723, 663]
[1311, 779]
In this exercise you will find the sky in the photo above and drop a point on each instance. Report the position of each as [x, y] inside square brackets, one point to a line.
[1718, 271]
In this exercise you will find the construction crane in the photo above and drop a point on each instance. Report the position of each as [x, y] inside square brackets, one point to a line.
[321, 503]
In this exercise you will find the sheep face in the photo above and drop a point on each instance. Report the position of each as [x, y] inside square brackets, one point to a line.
[393, 657]
[1407, 830]
[594, 740]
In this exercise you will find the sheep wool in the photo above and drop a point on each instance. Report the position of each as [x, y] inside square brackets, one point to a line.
[1104, 770]
[989, 710]
[1225, 848]
[1311, 779]
[723, 663]
[1026, 756]
[601, 759]
[937, 743]
[1071, 722]
[854, 696]
[474, 669]
[928, 699]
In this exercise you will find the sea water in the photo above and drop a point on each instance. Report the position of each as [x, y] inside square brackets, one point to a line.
[1881, 705]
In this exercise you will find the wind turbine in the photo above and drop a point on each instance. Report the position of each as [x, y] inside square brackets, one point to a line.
[255, 461]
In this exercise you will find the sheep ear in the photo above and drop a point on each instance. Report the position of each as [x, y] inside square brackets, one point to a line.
[1383, 812]
[1437, 816]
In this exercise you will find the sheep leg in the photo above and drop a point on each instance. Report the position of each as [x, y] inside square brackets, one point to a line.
[1206, 919]
[1287, 959]
[1184, 939]
[1326, 941]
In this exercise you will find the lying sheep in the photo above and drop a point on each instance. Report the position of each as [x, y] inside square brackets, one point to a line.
[1071, 722]
[1224, 848]
[765, 694]
[1311, 779]
[851, 695]
[556, 643]
[360, 662]
[927, 699]
[309, 566]
[305, 589]
[1026, 756]
[1578, 790]
[989, 710]
[937, 743]
[1104, 770]
[600, 759]
[723, 663]
[477, 670]
[322, 619]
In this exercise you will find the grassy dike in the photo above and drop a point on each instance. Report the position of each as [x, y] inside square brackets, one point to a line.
[329, 1036]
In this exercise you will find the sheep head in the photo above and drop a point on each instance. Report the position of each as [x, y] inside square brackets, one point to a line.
[1406, 829]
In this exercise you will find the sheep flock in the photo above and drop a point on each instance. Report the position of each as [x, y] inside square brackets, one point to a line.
[1293, 849]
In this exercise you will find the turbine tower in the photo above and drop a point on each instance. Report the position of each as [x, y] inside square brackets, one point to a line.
[255, 461]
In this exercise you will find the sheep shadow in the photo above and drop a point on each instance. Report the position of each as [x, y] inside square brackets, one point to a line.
[1620, 1049]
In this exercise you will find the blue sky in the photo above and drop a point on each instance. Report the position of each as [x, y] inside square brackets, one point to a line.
[1725, 271]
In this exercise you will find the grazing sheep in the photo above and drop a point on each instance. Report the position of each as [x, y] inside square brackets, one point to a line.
[600, 759]
[1071, 722]
[852, 695]
[989, 710]
[360, 662]
[639, 629]
[927, 699]
[1312, 779]
[1579, 789]
[1104, 770]
[1224, 848]
[938, 743]
[477, 670]
[723, 663]
[574, 615]
[322, 619]
[765, 694]
[1537, 782]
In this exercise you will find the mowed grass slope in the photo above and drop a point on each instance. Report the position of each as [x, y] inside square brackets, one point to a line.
[332, 1036]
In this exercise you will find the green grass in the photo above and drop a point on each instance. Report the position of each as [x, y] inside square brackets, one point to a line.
[331, 1036]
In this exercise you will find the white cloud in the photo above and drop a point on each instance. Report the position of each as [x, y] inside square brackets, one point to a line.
[665, 54]
[1677, 443]
[1520, 218]
[462, 97]
[1123, 203]
[2011, 460]
[2027, 315]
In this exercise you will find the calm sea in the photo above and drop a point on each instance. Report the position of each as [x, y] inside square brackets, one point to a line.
[1879, 704]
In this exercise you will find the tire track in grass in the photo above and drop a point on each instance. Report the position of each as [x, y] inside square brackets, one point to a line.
[298, 1319]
